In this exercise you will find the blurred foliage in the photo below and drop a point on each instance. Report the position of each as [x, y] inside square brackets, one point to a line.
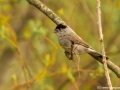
[27, 40]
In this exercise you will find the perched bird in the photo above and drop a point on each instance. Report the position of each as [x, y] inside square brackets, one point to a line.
[73, 44]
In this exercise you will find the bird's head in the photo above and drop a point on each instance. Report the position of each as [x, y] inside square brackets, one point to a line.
[60, 28]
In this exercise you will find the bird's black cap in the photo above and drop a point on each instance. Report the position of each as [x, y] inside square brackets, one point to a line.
[60, 26]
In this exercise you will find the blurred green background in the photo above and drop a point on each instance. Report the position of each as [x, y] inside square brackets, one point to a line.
[26, 34]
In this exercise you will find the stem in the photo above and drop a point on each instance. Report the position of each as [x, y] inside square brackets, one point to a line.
[102, 46]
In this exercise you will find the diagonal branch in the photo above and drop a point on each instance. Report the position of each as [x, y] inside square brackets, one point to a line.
[57, 20]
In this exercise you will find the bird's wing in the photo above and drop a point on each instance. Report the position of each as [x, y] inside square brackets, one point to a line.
[79, 41]
[73, 37]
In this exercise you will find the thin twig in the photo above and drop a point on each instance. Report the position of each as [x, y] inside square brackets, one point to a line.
[102, 46]
[73, 11]
[78, 68]
[75, 63]
[23, 67]
[20, 56]
[73, 52]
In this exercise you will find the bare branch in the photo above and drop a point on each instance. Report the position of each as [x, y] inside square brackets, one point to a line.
[102, 45]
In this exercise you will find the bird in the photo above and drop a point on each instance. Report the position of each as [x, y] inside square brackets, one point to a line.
[73, 44]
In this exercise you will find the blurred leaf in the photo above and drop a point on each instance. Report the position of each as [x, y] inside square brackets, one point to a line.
[92, 75]
[4, 6]
[47, 60]
[64, 68]
[47, 57]
[70, 76]
[6, 32]
[14, 77]
[4, 19]
[61, 11]
[34, 29]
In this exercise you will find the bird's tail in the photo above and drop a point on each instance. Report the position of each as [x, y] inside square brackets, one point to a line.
[96, 55]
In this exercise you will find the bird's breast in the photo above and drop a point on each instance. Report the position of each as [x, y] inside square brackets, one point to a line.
[65, 43]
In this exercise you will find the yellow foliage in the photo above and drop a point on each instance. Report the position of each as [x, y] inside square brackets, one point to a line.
[118, 4]
[61, 11]
[27, 33]
[64, 68]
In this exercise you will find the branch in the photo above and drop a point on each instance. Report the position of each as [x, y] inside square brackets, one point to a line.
[102, 45]
[58, 20]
